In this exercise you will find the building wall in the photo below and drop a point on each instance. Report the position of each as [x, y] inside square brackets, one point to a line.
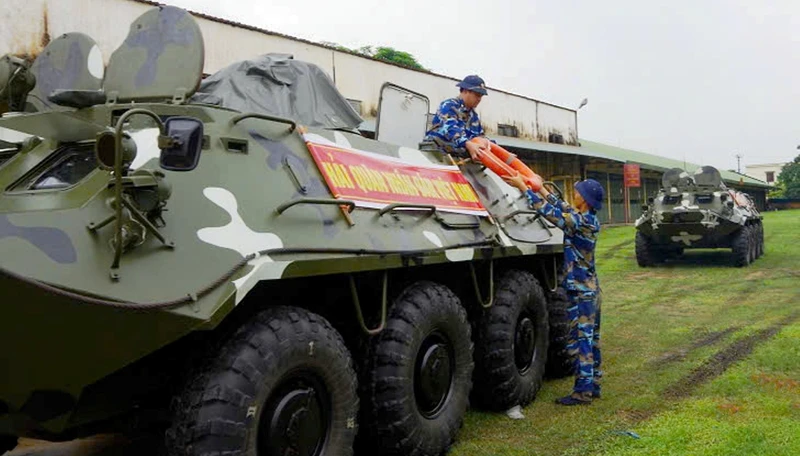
[760, 171]
[29, 24]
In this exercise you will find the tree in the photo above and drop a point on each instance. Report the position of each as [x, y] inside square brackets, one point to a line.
[789, 179]
[399, 57]
[384, 53]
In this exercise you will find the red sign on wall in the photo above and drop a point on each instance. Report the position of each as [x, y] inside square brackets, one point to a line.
[631, 175]
[374, 180]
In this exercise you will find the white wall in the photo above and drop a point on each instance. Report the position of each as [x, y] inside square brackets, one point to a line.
[27, 23]
[760, 171]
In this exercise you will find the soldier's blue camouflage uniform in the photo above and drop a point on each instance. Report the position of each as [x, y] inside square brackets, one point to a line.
[582, 286]
[453, 125]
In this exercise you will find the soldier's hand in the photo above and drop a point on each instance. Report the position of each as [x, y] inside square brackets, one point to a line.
[535, 182]
[516, 181]
[473, 149]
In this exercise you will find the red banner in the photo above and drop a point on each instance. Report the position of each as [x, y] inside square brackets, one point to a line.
[375, 180]
[631, 175]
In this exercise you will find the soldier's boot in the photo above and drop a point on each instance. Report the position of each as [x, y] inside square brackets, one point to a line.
[575, 399]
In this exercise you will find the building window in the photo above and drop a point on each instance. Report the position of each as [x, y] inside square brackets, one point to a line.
[356, 105]
[555, 138]
[770, 176]
[507, 130]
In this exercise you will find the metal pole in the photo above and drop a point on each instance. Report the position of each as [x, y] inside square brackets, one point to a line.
[626, 193]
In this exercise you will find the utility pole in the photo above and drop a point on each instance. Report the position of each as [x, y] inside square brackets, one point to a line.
[738, 165]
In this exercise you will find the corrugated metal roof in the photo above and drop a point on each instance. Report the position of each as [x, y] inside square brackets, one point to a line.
[519, 143]
[658, 163]
[608, 152]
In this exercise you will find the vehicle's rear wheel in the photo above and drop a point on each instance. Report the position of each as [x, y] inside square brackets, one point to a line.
[740, 247]
[760, 239]
[511, 345]
[419, 374]
[7, 443]
[647, 254]
[559, 363]
[283, 384]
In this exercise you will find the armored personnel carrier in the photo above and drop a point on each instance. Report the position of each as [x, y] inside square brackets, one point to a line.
[231, 260]
[698, 212]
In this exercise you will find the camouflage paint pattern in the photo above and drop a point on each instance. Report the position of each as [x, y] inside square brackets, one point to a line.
[162, 54]
[453, 125]
[580, 239]
[583, 344]
[71, 61]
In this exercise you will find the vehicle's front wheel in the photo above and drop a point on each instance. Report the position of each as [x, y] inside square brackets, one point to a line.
[740, 247]
[759, 239]
[647, 254]
[283, 384]
[753, 243]
[419, 374]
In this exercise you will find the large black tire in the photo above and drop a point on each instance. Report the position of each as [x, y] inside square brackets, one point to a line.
[740, 247]
[283, 384]
[759, 239]
[419, 374]
[753, 243]
[511, 346]
[7, 443]
[647, 254]
[559, 362]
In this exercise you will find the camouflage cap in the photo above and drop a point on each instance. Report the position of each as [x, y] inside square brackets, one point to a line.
[473, 83]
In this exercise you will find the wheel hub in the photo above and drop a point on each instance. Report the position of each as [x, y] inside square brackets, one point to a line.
[298, 420]
[524, 344]
[433, 375]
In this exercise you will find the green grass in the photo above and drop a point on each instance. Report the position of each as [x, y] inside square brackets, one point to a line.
[653, 319]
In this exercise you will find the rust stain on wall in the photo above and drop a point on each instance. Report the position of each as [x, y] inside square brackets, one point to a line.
[32, 45]
[45, 29]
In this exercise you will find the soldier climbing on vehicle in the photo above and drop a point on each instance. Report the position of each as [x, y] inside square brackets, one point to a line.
[456, 122]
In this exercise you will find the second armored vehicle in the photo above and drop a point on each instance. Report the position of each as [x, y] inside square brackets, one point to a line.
[698, 212]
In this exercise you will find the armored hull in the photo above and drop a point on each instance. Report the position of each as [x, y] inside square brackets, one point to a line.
[244, 271]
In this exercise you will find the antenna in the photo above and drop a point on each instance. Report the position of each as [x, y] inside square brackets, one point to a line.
[738, 163]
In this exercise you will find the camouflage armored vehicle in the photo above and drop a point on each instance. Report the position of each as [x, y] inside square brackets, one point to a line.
[231, 260]
[698, 212]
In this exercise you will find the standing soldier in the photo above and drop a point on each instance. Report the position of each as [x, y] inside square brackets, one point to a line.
[581, 227]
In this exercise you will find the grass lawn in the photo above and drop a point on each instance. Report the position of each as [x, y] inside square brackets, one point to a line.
[700, 357]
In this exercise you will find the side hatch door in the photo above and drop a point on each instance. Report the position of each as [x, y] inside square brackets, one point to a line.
[402, 116]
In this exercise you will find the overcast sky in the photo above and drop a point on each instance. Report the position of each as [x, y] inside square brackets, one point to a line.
[701, 80]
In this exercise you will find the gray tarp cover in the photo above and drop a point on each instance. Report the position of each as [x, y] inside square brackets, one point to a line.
[278, 85]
